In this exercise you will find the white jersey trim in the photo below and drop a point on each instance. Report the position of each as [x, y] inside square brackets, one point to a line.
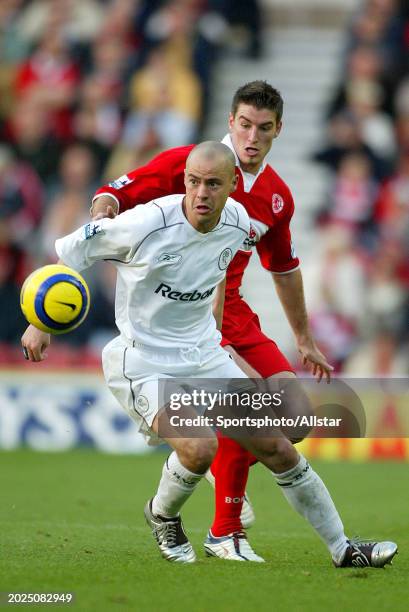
[286, 272]
[248, 178]
[98, 195]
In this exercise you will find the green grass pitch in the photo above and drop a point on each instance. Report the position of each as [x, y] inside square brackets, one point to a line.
[74, 522]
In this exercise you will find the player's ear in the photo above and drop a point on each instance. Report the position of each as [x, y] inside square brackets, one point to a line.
[185, 177]
[234, 182]
[231, 121]
[278, 128]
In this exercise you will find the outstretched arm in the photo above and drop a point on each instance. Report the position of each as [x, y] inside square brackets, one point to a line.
[35, 342]
[290, 291]
[79, 250]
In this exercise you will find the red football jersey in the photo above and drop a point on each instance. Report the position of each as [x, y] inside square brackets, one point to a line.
[269, 204]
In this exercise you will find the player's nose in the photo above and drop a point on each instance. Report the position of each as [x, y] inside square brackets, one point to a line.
[253, 134]
[202, 192]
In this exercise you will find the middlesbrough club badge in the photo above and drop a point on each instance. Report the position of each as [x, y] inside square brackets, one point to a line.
[278, 203]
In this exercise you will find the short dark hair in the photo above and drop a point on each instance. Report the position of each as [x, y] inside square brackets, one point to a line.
[259, 94]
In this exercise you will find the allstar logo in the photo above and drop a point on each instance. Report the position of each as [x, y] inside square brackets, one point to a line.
[277, 203]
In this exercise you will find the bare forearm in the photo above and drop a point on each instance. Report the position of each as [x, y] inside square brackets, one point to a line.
[290, 291]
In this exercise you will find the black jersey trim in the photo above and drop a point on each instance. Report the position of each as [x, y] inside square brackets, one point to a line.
[237, 214]
[161, 210]
[237, 226]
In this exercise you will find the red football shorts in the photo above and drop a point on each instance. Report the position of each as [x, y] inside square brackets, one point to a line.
[257, 349]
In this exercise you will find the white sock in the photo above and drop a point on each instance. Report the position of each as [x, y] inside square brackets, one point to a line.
[210, 478]
[175, 487]
[309, 496]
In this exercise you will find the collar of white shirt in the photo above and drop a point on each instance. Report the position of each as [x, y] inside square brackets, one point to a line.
[248, 178]
[192, 229]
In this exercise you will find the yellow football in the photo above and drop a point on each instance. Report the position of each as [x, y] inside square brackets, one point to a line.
[55, 299]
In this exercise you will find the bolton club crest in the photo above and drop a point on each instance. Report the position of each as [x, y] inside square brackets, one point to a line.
[225, 258]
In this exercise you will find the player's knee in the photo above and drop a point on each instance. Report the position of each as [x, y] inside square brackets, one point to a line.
[205, 453]
[295, 407]
[277, 454]
[198, 454]
[279, 447]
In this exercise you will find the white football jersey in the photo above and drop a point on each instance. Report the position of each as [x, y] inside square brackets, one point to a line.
[167, 270]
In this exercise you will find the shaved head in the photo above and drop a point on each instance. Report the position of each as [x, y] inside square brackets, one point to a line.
[210, 177]
[214, 151]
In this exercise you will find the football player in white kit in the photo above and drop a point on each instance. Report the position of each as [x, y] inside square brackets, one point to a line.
[170, 256]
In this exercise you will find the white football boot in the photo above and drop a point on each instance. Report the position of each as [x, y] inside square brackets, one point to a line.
[170, 536]
[247, 516]
[233, 547]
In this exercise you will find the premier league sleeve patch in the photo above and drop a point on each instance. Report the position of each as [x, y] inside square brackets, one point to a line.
[120, 182]
[91, 230]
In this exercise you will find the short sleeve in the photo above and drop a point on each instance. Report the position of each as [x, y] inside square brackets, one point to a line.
[115, 239]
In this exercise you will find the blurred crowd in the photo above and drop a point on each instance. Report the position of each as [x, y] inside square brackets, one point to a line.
[92, 88]
[88, 90]
[360, 313]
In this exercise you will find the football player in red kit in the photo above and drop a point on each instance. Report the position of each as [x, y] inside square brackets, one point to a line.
[254, 122]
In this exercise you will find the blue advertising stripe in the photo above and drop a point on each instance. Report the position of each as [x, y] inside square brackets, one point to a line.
[42, 292]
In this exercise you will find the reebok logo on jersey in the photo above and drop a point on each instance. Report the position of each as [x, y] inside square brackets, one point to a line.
[121, 182]
[171, 258]
[193, 296]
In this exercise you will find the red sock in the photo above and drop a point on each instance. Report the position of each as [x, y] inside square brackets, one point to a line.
[230, 468]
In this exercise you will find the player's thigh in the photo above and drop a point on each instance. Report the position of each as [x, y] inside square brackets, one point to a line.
[276, 452]
[219, 363]
[287, 384]
[295, 408]
[195, 453]
[243, 365]
[222, 376]
[132, 382]
[294, 402]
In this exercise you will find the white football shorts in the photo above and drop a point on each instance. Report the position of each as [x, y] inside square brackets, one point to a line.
[132, 373]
